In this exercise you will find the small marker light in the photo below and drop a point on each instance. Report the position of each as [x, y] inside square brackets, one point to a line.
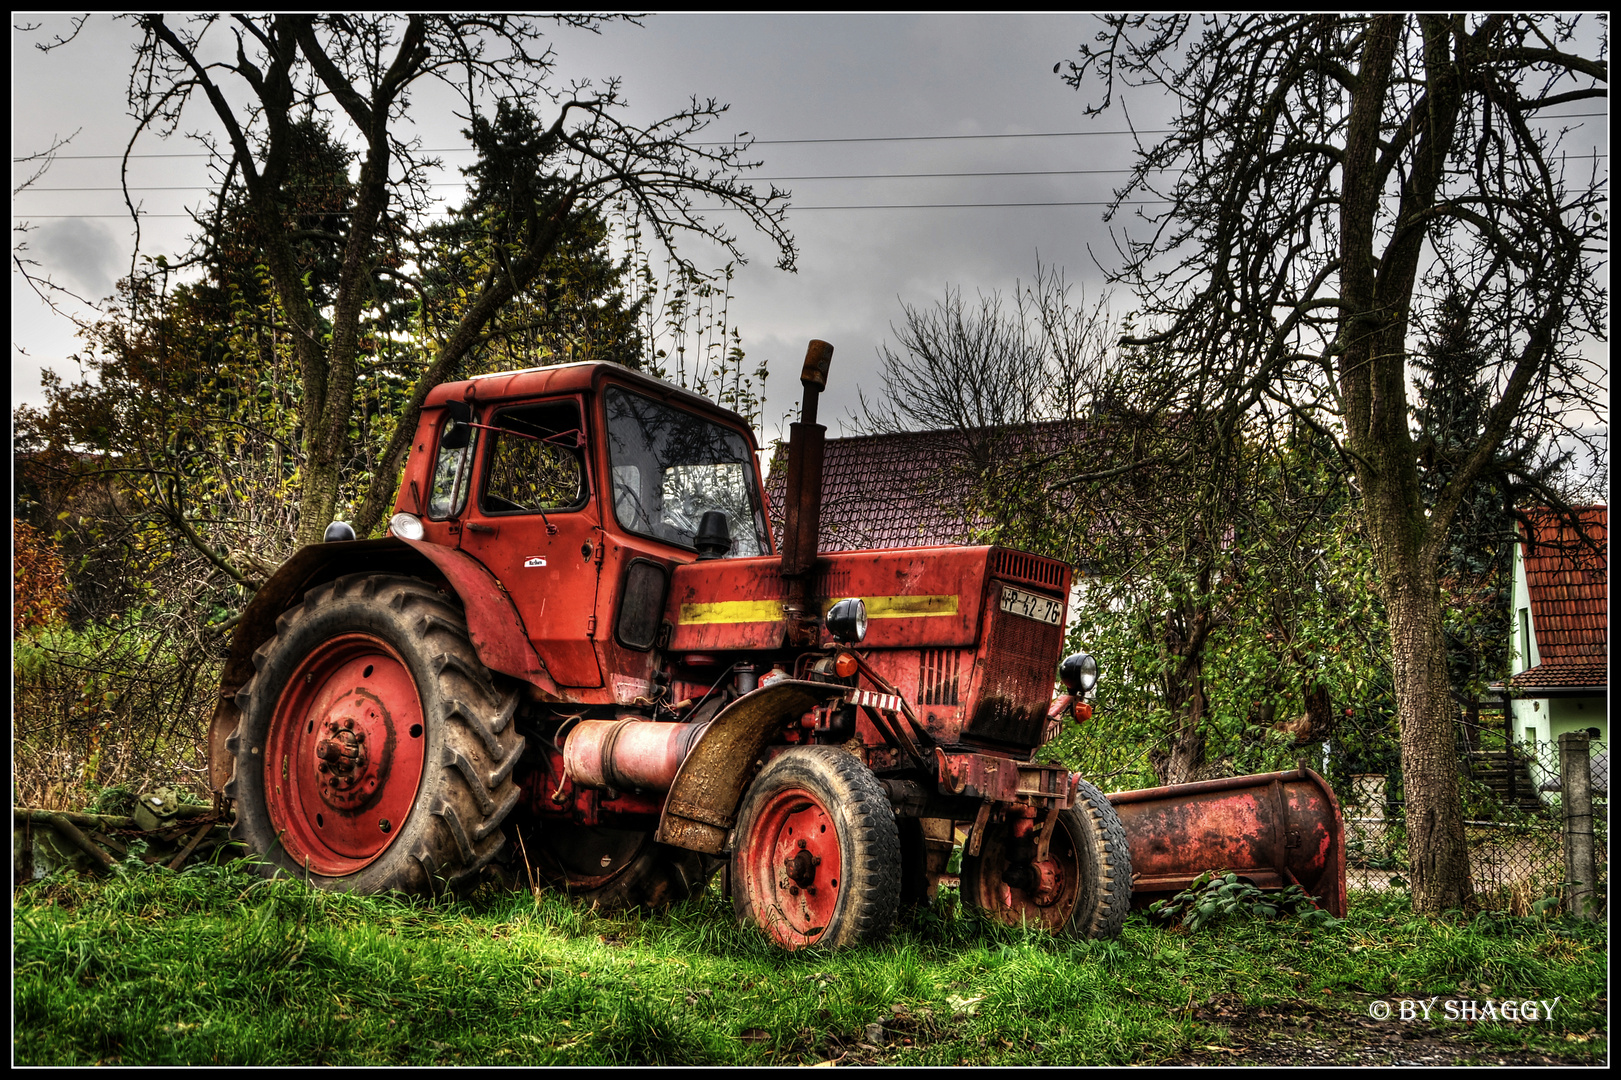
[845, 665]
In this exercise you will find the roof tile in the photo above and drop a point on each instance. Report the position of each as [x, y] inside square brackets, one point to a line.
[1568, 590]
[902, 490]
[1567, 673]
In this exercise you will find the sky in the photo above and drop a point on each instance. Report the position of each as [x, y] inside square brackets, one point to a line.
[900, 82]
[785, 77]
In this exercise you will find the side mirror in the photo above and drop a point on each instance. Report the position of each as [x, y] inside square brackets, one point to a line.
[456, 434]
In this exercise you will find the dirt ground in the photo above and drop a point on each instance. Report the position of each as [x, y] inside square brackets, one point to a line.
[1317, 1035]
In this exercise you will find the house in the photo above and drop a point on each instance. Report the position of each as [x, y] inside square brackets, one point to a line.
[1560, 611]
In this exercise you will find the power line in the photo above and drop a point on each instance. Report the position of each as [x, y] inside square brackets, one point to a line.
[734, 142]
[722, 209]
[752, 179]
[770, 179]
[794, 142]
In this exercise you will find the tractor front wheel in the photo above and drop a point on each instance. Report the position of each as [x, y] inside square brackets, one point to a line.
[375, 753]
[817, 857]
[1081, 889]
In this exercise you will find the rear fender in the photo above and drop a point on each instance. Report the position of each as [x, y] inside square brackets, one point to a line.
[493, 624]
[703, 800]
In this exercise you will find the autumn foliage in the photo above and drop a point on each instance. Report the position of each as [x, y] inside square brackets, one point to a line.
[41, 589]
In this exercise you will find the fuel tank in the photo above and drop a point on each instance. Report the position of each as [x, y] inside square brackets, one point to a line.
[1272, 829]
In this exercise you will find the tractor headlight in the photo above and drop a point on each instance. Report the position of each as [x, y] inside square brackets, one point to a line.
[1079, 672]
[847, 621]
[406, 526]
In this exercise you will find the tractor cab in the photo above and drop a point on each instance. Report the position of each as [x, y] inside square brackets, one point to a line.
[580, 488]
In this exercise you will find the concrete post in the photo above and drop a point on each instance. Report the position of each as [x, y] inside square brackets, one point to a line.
[1576, 796]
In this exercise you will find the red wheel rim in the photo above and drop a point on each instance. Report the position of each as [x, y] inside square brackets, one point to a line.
[792, 866]
[1051, 887]
[343, 762]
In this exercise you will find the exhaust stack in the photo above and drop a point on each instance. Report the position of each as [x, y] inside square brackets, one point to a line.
[802, 512]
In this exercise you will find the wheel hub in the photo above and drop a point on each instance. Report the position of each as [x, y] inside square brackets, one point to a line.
[1048, 878]
[349, 775]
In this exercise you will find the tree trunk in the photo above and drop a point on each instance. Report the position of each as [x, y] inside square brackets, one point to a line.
[1439, 867]
[318, 503]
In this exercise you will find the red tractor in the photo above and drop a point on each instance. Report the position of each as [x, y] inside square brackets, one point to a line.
[579, 657]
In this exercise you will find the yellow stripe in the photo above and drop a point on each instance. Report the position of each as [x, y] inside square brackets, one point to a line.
[758, 611]
[733, 611]
[903, 607]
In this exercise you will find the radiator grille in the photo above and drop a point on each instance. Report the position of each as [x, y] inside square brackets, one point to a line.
[937, 677]
[1030, 569]
[1021, 668]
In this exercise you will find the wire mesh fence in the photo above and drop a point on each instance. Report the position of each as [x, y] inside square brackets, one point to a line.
[1516, 848]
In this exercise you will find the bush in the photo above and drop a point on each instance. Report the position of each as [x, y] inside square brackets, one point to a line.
[125, 703]
[1214, 897]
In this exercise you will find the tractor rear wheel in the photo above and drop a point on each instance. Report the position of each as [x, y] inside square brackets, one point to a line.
[375, 752]
[817, 857]
[1081, 889]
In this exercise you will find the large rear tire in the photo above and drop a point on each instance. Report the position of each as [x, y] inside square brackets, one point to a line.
[375, 752]
[1082, 888]
[817, 857]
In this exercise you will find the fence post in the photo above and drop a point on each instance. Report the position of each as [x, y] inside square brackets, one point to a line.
[1576, 797]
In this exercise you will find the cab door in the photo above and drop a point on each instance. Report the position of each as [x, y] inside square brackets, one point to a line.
[534, 524]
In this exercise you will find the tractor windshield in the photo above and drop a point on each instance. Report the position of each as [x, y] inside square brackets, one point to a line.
[671, 466]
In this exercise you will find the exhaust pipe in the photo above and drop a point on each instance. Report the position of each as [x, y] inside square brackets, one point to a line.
[802, 512]
[631, 754]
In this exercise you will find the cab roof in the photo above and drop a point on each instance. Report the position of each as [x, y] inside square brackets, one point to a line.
[579, 377]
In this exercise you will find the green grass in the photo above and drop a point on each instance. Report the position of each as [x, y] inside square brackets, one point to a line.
[218, 965]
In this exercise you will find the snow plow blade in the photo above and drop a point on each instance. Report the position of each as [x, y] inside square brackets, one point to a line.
[1272, 829]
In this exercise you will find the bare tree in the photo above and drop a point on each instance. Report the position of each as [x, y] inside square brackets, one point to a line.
[1330, 180]
[263, 78]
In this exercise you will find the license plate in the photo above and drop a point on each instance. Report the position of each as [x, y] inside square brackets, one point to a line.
[1043, 609]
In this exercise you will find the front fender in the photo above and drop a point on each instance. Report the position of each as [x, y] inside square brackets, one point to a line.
[703, 800]
[493, 624]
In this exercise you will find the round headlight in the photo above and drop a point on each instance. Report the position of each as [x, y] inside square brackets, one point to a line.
[847, 621]
[1079, 672]
[406, 526]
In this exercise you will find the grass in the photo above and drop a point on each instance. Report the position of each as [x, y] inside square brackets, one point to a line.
[216, 965]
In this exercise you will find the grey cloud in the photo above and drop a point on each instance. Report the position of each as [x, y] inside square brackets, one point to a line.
[84, 253]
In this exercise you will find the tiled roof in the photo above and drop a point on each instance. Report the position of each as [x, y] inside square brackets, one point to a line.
[1568, 673]
[1568, 591]
[901, 490]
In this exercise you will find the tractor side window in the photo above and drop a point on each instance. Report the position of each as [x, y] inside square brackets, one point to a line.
[670, 467]
[450, 481]
[535, 463]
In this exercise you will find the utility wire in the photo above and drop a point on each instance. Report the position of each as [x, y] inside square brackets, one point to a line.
[716, 209]
[751, 179]
[772, 179]
[800, 142]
